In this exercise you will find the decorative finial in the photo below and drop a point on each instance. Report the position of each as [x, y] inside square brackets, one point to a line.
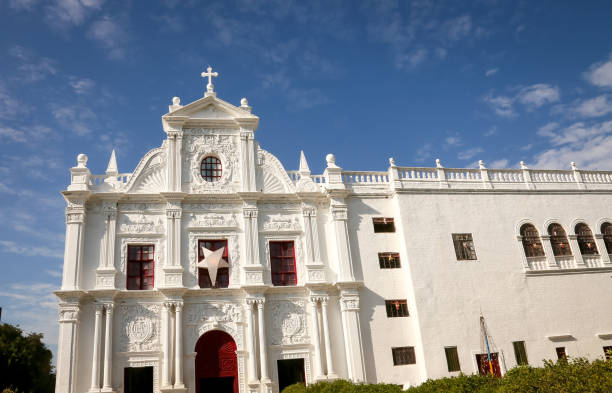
[523, 165]
[82, 160]
[438, 163]
[481, 164]
[391, 161]
[111, 169]
[304, 169]
[573, 165]
[244, 102]
[210, 89]
[176, 101]
[330, 158]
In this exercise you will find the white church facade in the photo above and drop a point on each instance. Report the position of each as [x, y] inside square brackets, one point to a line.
[211, 268]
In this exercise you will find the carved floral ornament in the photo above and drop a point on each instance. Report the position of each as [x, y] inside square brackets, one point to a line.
[288, 322]
[68, 313]
[281, 223]
[213, 220]
[197, 147]
[140, 327]
[140, 223]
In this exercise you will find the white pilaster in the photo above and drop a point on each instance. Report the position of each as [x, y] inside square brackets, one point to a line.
[343, 248]
[178, 346]
[251, 161]
[349, 304]
[166, 344]
[314, 311]
[263, 346]
[73, 251]
[95, 363]
[331, 373]
[105, 274]
[251, 341]
[108, 349]
[244, 156]
[66, 347]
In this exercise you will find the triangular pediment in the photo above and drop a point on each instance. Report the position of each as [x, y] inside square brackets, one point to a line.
[212, 108]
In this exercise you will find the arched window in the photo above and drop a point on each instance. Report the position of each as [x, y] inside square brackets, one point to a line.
[585, 240]
[558, 240]
[606, 231]
[531, 241]
[211, 169]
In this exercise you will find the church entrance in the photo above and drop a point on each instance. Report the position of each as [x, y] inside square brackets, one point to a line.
[216, 365]
[290, 371]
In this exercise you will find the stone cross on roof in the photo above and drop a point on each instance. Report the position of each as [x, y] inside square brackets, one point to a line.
[209, 87]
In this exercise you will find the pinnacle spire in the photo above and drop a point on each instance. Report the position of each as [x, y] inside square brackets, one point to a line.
[111, 169]
[304, 169]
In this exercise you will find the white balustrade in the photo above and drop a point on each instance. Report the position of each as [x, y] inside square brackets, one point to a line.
[365, 177]
[427, 174]
[506, 175]
[551, 176]
[454, 174]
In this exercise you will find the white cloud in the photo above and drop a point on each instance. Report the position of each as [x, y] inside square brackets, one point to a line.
[26, 135]
[501, 105]
[75, 118]
[9, 106]
[30, 251]
[411, 59]
[12, 134]
[67, 13]
[469, 153]
[22, 4]
[491, 131]
[535, 96]
[81, 86]
[547, 130]
[594, 107]
[491, 71]
[600, 74]
[452, 141]
[579, 133]
[110, 35]
[499, 164]
[423, 153]
[459, 27]
[32, 68]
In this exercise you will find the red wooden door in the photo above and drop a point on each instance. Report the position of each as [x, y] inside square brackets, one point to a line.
[483, 364]
[216, 361]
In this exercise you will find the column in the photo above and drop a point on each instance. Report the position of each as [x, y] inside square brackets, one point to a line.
[263, 347]
[251, 161]
[351, 327]
[331, 373]
[95, 363]
[306, 212]
[251, 342]
[171, 160]
[343, 247]
[316, 338]
[314, 229]
[166, 344]
[178, 346]
[169, 235]
[248, 237]
[108, 349]
[244, 155]
[66, 347]
[255, 236]
[73, 250]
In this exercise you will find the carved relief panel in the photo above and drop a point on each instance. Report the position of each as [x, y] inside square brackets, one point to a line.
[288, 322]
[139, 328]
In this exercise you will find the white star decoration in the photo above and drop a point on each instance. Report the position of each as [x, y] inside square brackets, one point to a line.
[213, 261]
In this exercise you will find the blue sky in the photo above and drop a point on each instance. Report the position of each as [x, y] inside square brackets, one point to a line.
[501, 81]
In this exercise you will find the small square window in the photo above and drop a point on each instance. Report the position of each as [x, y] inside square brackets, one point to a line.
[464, 246]
[520, 353]
[389, 260]
[396, 308]
[140, 267]
[561, 353]
[383, 224]
[403, 355]
[452, 359]
[608, 352]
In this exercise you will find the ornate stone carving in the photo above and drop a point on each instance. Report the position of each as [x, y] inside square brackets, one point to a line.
[140, 328]
[140, 207]
[280, 223]
[68, 313]
[74, 218]
[214, 313]
[339, 212]
[349, 302]
[140, 223]
[271, 176]
[288, 323]
[199, 146]
[212, 220]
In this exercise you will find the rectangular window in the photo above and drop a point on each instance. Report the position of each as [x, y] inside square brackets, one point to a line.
[452, 359]
[520, 353]
[389, 260]
[282, 261]
[403, 355]
[137, 379]
[140, 267]
[561, 353]
[396, 308]
[608, 352]
[464, 246]
[222, 273]
[383, 224]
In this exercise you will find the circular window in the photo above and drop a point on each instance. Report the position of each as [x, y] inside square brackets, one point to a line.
[211, 169]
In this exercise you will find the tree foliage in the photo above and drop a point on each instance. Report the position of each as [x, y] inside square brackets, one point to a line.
[576, 375]
[25, 362]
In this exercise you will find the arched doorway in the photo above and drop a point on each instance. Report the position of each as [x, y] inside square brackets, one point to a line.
[216, 366]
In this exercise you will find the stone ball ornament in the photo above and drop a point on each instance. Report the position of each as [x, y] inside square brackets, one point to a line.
[82, 160]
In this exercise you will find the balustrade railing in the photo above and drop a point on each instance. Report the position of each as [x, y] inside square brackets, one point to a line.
[453, 174]
[418, 174]
[96, 180]
[368, 177]
[506, 175]
[552, 176]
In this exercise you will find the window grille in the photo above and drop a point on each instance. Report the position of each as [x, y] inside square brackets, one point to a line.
[561, 353]
[389, 260]
[586, 243]
[606, 231]
[211, 169]
[608, 352]
[531, 241]
[403, 355]
[282, 261]
[520, 353]
[140, 267]
[396, 308]
[464, 246]
[558, 240]
[222, 273]
[383, 224]
[452, 359]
